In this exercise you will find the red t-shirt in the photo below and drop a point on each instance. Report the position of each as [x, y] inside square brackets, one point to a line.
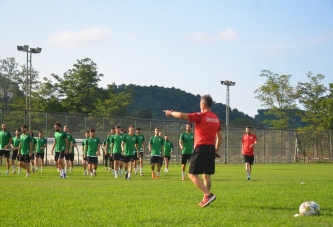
[248, 140]
[206, 125]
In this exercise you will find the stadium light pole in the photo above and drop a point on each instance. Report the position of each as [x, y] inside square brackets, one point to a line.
[226, 143]
[25, 48]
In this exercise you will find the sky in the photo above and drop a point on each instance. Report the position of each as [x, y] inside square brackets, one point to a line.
[191, 45]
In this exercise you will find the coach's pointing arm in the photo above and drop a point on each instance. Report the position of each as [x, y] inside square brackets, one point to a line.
[176, 114]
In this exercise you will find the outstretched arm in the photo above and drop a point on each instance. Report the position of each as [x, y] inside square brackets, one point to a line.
[176, 114]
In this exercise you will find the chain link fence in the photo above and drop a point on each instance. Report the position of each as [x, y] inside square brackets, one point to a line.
[273, 146]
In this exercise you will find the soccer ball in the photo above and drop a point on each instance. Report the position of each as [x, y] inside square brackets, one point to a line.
[309, 208]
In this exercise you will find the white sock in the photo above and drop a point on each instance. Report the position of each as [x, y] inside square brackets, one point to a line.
[158, 174]
[112, 171]
[19, 169]
[61, 172]
[27, 174]
[183, 173]
[41, 168]
[141, 169]
[116, 173]
[129, 175]
[13, 166]
[36, 167]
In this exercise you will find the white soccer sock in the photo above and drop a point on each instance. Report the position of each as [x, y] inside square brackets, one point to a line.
[41, 168]
[13, 166]
[36, 167]
[183, 173]
[141, 169]
[19, 169]
[158, 174]
[129, 175]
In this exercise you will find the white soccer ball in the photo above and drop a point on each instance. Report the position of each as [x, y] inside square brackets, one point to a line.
[309, 208]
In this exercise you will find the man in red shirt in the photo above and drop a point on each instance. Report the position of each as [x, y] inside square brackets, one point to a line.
[207, 140]
[248, 142]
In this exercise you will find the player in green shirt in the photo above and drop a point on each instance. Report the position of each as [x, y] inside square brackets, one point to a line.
[34, 143]
[60, 145]
[92, 150]
[129, 147]
[40, 150]
[70, 155]
[5, 143]
[186, 144]
[87, 134]
[156, 151]
[141, 144]
[15, 145]
[116, 141]
[168, 148]
[25, 151]
[106, 152]
[108, 147]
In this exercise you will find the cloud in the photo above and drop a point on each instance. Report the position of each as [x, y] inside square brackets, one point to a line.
[86, 37]
[226, 35]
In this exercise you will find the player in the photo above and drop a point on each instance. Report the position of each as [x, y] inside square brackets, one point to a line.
[141, 144]
[25, 151]
[129, 145]
[168, 149]
[207, 140]
[108, 146]
[87, 134]
[60, 146]
[116, 141]
[40, 150]
[161, 158]
[5, 144]
[248, 142]
[156, 150]
[92, 151]
[34, 143]
[69, 155]
[15, 145]
[186, 142]
[106, 152]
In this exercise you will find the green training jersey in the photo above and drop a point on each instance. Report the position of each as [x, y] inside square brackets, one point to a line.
[34, 144]
[168, 146]
[188, 141]
[92, 146]
[156, 144]
[130, 142]
[73, 142]
[141, 138]
[116, 140]
[41, 142]
[108, 150]
[16, 141]
[26, 140]
[60, 138]
[4, 139]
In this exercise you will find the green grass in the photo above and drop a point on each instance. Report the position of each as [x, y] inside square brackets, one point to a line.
[270, 198]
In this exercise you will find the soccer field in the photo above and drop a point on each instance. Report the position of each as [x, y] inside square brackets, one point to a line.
[270, 198]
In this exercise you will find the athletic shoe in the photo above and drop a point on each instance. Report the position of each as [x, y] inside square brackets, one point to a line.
[167, 171]
[115, 176]
[126, 175]
[136, 173]
[33, 170]
[141, 174]
[157, 177]
[207, 200]
[64, 175]
[84, 174]
[13, 172]
[36, 170]
[153, 175]
[183, 178]
[248, 177]
[128, 178]
[107, 168]
[7, 172]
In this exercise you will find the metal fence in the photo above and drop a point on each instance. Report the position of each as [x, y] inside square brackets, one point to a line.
[274, 146]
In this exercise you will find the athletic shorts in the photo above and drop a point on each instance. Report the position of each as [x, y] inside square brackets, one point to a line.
[93, 160]
[118, 157]
[167, 157]
[40, 155]
[69, 156]
[111, 158]
[203, 160]
[24, 158]
[32, 156]
[61, 154]
[155, 159]
[186, 158]
[106, 156]
[140, 155]
[14, 155]
[5, 153]
[128, 159]
[136, 156]
[249, 159]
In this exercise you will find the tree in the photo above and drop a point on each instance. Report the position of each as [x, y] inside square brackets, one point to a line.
[145, 113]
[326, 106]
[78, 88]
[310, 95]
[279, 97]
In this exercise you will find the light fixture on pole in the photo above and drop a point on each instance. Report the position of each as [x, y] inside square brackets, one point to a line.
[25, 48]
[226, 143]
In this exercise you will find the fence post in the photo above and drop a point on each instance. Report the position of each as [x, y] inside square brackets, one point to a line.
[47, 135]
[264, 136]
[330, 146]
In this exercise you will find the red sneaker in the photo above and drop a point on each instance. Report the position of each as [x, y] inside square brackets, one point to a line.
[207, 200]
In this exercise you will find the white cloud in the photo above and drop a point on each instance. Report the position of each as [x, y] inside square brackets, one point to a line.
[86, 37]
[228, 35]
[199, 37]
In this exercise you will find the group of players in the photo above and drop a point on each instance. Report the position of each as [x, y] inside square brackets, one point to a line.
[123, 151]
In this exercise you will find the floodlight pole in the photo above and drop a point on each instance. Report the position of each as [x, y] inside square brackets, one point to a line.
[226, 143]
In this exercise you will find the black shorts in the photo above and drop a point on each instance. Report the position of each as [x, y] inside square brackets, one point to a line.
[186, 158]
[59, 154]
[14, 155]
[40, 155]
[118, 157]
[32, 156]
[136, 156]
[167, 156]
[24, 158]
[128, 159]
[156, 159]
[69, 156]
[203, 160]
[140, 155]
[93, 160]
[5, 152]
[249, 159]
[106, 156]
[111, 158]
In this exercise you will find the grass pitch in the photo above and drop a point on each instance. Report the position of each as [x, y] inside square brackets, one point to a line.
[270, 198]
